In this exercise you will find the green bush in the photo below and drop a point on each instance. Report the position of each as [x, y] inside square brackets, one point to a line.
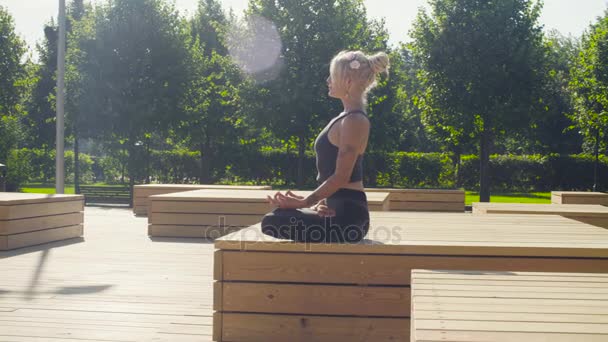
[19, 169]
[534, 172]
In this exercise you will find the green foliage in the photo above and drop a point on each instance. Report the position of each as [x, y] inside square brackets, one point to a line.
[481, 65]
[589, 85]
[12, 85]
[19, 169]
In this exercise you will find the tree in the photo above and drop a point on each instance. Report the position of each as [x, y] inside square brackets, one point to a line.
[135, 73]
[12, 84]
[481, 62]
[41, 107]
[210, 99]
[589, 89]
[80, 35]
[311, 32]
[548, 130]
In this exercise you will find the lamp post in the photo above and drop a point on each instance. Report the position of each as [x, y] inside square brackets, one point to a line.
[59, 149]
[2, 178]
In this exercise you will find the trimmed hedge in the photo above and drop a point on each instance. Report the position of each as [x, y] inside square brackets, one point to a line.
[509, 173]
[535, 172]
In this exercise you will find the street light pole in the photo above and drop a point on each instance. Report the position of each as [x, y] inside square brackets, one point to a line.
[59, 155]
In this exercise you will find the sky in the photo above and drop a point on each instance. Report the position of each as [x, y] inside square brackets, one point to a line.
[570, 17]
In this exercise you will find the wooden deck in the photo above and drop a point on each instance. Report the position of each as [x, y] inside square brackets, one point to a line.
[116, 284]
[214, 213]
[593, 214]
[442, 200]
[458, 306]
[341, 292]
[579, 197]
[31, 219]
[141, 203]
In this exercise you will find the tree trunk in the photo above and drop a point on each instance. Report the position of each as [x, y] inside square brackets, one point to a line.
[147, 161]
[597, 158]
[456, 165]
[301, 155]
[76, 163]
[484, 165]
[205, 150]
[131, 169]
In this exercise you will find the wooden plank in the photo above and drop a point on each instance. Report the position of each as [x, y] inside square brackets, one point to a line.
[422, 195]
[142, 192]
[41, 209]
[208, 232]
[218, 265]
[578, 197]
[8, 242]
[187, 219]
[259, 196]
[17, 198]
[379, 269]
[281, 328]
[587, 210]
[197, 207]
[519, 308]
[218, 296]
[361, 301]
[217, 326]
[40, 223]
[427, 206]
[484, 336]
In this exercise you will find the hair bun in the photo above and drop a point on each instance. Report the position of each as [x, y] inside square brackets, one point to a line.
[379, 62]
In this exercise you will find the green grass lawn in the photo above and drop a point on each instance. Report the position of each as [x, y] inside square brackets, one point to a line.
[40, 188]
[530, 197]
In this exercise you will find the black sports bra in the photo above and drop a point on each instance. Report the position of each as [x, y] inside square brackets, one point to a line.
[327, 154]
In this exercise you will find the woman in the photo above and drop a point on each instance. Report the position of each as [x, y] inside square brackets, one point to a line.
[337, 210]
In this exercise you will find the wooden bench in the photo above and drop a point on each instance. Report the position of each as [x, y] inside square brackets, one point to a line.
[32, 219]
[456, 306]
[579, 197]
[275, 290]
[589, 213]
[141, 203]
[106, 194]
[424, 199]
[214, 213]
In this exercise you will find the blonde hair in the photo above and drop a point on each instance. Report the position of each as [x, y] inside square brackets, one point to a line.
[362, 69]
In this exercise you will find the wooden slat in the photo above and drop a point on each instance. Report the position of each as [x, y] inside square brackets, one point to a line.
[196, 207]
[185, 219]
[378, 269]
[578, 197]
[484, 336]
[8, 242]
[40, 223]
[16, 198]
[427, 206]
[362, 301]
[209, 232]
[518, 309]
[587, 210]
[41, 209]
[280, 328]
[255, 196]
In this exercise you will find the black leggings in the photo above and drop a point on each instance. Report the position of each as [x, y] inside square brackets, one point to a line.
[350, 224]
